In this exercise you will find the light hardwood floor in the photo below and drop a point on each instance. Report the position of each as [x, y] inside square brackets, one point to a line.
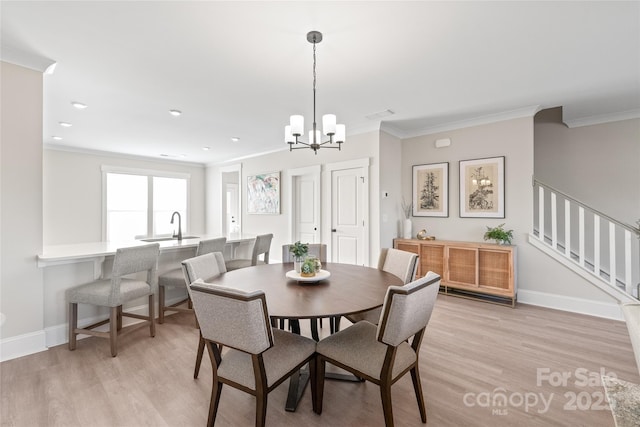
[473, 354]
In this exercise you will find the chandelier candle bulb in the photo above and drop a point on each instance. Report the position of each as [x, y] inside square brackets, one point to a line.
[329, 124]
[341, 131]
[297, 125]
[313, 140]
[288, 136]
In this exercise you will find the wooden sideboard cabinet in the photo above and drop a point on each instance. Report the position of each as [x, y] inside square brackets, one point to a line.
[467, 268]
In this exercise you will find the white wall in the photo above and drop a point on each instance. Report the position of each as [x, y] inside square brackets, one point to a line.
[540, 279]
[357, 147]
[391, 183]
[73, 193]
[598, 165]
[21, 287]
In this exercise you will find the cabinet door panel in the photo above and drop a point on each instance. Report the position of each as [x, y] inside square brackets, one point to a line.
[463, 265]
[494, 269]
[431, 259]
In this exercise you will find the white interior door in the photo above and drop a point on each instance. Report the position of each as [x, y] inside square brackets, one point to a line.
[305, 204]
[232, 218]
[349, 227]
[306, 213]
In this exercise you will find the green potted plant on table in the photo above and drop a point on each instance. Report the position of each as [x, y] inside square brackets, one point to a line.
[308, 268]
[299, 252]
[499, 234]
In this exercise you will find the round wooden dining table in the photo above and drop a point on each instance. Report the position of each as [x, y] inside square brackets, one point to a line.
[350, 289]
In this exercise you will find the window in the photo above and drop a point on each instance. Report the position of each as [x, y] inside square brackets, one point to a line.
[141, 203]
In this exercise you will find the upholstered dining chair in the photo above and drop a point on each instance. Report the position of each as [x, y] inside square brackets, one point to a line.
[175, 278]
[258, 358]
[382, 354]
[204, 267]
[401, 264]
[261, 246]
[116, 291]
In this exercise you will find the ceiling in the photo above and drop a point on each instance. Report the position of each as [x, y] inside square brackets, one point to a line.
[240, 69]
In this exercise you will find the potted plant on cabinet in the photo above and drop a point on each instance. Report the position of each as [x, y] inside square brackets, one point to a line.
[499, 234]
[299, 251]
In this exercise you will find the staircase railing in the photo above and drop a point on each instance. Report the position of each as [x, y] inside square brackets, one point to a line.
[601, 245]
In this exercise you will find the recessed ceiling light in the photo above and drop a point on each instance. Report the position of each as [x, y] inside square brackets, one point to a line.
[65, 124]
[175, 113]
[206, 148]
[235, 139]
[183, 155]
[79, 105]
[57, 138]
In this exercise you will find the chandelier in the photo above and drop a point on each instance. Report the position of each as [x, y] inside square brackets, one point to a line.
[295, 129]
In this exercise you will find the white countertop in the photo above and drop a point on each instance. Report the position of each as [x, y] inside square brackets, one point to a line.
[74, 252]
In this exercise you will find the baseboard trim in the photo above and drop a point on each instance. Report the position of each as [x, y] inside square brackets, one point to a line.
[571, 304]
[22, 345]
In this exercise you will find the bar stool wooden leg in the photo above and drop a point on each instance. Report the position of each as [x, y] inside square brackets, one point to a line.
[161, 307]
[113, 331]
[73, 324]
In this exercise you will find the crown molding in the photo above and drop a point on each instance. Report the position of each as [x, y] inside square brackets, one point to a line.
[529, 111]
[69, 149]
[602, 118]
[25, 59]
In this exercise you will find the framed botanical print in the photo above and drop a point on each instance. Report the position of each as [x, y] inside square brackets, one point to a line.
[482, 188]
[431, 190]
[263, 193]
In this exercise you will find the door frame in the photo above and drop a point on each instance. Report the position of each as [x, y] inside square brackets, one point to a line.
[363, 163]
[223, 216]
[316, 171]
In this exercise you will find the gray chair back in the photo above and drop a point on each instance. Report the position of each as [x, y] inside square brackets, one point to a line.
[134, 260]
[205, 267]
[401, 264]
[261, 246]
[232, 317]
[211, 245]
[407, 309]
[318, 250]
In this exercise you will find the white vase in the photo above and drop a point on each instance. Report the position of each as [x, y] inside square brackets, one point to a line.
[297, 265]
[406, 229]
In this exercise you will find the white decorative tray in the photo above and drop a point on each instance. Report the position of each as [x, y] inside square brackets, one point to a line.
[320, 275]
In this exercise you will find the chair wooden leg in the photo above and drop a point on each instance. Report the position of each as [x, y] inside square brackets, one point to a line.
[417, 387]
[313, 375]
[261, 406]
[73, 324]
[216, 387]
[319, 385]
[152, 317]
[201, 344]
[161, 304]
[216, 390]
[113, 331]
[385, 394]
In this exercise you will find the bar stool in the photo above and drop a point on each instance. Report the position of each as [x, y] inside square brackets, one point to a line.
[175, 279]
[261, 246]
[114, 292]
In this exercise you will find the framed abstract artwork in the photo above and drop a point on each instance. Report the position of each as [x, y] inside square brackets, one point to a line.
[482, 188]
[263, 193]
[431, 190]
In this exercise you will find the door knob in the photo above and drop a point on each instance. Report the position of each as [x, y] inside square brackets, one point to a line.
[333, 230]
